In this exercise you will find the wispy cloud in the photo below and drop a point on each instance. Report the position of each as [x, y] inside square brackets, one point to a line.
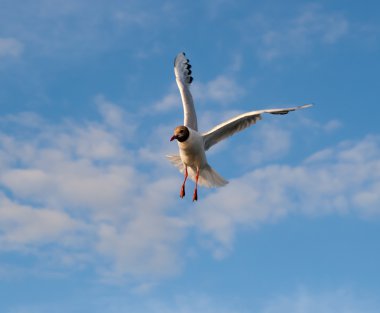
[80, 181]
[303, 301]
[169, 101]
[342, 180]
[23, 224]
[54, 27]
[10, 47]
[311, 27]
[268, 143]
[102, 199]
[222, 90]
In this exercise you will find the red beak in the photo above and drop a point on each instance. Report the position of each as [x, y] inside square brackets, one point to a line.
[173, 137]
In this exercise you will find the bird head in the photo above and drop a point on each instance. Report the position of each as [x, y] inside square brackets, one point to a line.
[181, 133]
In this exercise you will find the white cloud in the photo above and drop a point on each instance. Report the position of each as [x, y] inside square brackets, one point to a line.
[223, 90]
[116, 118]
[327, 127]
[80, 179]
[10, 47]
[102, 200]
[144, 246]
[303, 300]
[340, 180]
[313, 26]
[24, 225]
[267, 143]
[330, 27]
[170, 101]
[54, 27]
[341, 300]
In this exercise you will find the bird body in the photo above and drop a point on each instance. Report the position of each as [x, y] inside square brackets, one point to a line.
[192, 151]
[192, 160]
[192, 155]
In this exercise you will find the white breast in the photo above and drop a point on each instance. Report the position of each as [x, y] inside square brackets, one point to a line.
[192, 150]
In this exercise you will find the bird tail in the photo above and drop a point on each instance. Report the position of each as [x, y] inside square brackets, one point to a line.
[208, 177]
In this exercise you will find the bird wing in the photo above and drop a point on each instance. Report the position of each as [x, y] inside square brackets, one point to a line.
[240, 122]
[182, 71]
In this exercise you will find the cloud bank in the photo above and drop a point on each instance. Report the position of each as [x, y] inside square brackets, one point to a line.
[100, 199]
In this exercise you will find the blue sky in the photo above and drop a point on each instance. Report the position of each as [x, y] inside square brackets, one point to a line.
[90, 217]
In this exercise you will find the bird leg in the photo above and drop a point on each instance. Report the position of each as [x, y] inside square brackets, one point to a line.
[195, 195]
[182, 192]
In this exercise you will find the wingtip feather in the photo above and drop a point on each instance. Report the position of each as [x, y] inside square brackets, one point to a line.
[306, 106]
[183, 68]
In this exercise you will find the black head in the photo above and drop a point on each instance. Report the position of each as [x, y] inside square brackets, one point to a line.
[181, 133]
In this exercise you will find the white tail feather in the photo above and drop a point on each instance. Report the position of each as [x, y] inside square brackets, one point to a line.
[207, 176]
[176, 161]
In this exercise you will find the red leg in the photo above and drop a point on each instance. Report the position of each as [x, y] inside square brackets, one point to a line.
[195, 195]
[182, 192]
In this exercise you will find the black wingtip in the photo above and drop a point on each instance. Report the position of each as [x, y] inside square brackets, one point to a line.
[175, 59]
[281, 112]
[186, 65]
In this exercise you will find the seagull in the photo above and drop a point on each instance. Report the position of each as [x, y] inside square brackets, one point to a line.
[193, 144]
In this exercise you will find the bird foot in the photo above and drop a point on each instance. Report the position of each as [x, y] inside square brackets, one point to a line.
[182, 192]
[195, 195]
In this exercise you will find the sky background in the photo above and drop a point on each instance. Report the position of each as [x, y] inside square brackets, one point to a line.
[90, 214]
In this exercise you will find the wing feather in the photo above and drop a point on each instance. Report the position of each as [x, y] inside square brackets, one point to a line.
[240, 122]
[182, 71]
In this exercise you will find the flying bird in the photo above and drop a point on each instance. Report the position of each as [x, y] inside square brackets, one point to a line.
[193, 145]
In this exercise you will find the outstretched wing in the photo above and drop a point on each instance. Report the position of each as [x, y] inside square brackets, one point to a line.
[239, 123]
[182, 71]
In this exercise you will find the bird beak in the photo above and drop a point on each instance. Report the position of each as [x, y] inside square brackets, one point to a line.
[173, 137]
